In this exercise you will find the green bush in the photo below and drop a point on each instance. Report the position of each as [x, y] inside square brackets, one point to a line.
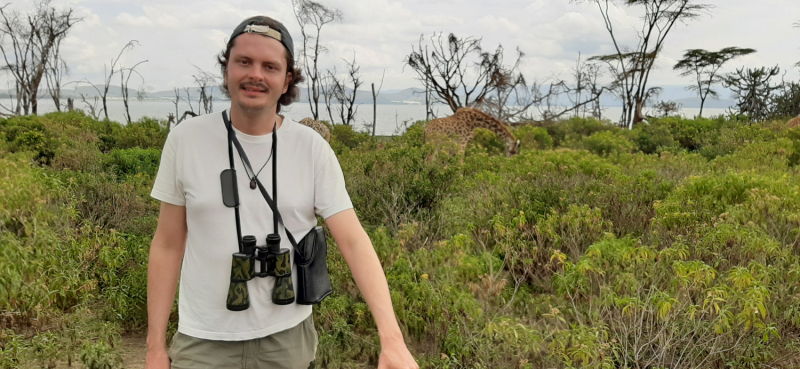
[145, 133]
[486, 141]
[576, 128]
[607, 143]
[534, 138]
[728, 138]
[690, 133]
[398, 183]
[794, 135]
[123, 162]
[345, 135]
[649, 138]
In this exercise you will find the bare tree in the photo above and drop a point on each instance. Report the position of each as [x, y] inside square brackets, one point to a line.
[124, 80]
[92, 106]
[797, 25]
[630, 67]
[705, 66]
[448, 69]
[347, 108]
[312, 16]
[205, 82]
[55, 70]
[27, 44]
[375, 103]
[327, 86]
[108, 74]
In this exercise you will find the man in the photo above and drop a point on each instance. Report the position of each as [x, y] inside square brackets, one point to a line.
[197, 233]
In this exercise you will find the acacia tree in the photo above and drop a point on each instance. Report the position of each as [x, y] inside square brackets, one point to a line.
[457, 70]
[705, 65]
[28, 44]
[754, 90]
[630, 66]
[312, 16]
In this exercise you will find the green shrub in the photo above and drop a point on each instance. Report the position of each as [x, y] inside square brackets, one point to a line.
[729, 138]
[487, 141]
[534, 138]
[398, 183]
[145, 133]
[123, 162]
[107, 203]
[794, 135]
[576, 128]
[347, 137]
[690, 133]
[607, 143]
[649, 138]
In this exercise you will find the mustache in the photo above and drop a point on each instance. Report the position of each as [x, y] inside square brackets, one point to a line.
[257, 85]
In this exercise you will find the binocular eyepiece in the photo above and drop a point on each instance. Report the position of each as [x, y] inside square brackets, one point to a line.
[274, 262]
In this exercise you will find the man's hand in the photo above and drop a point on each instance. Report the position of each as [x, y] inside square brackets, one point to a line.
[396, 356]
[156, 359]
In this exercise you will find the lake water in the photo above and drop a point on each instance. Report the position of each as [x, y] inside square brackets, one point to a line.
[391, 118]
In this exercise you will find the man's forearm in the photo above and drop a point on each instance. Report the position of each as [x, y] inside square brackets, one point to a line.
[163, 270]
[371, 281]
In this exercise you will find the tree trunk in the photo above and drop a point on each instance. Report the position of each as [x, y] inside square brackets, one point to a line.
[374, 110]
[702, 102]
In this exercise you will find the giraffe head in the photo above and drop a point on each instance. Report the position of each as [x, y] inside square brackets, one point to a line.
[513, 148]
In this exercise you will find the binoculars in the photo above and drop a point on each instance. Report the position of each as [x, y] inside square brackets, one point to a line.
[274, 262]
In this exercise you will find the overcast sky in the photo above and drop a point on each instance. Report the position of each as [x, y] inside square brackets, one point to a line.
[176, 34]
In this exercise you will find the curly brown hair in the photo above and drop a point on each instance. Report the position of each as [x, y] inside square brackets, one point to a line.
[292, 93]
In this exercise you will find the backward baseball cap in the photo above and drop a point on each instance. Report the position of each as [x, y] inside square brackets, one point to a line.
[281, 34]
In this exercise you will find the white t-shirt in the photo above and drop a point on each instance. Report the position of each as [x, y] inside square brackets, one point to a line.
[310, 181]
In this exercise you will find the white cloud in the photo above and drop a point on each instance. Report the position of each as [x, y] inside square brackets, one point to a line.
[176, 34]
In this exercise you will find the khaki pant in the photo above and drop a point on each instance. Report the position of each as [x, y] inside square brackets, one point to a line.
[293, 348]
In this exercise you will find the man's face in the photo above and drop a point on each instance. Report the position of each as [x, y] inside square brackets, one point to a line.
[256, 73]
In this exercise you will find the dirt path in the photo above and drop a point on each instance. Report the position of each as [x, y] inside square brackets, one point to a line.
[133, 350]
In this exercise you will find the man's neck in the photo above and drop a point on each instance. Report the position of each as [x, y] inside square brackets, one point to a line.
[254, 122]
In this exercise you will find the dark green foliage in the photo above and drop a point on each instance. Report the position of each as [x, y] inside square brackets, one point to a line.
[533, 138]
[607, 143]
[486, 141]
[650, 138]
[575, 129]
[133, 161]
[794, 135]
[689, 133]
[344, 136]
[397, 184]
[145, 133]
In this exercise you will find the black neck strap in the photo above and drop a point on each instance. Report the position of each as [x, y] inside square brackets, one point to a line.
[276, 215]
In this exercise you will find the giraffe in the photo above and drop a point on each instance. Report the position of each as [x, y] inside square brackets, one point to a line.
[318, 126]
[463, 125]
[794, 122]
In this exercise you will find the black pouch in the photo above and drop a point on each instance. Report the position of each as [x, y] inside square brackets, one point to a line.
[310, 257]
